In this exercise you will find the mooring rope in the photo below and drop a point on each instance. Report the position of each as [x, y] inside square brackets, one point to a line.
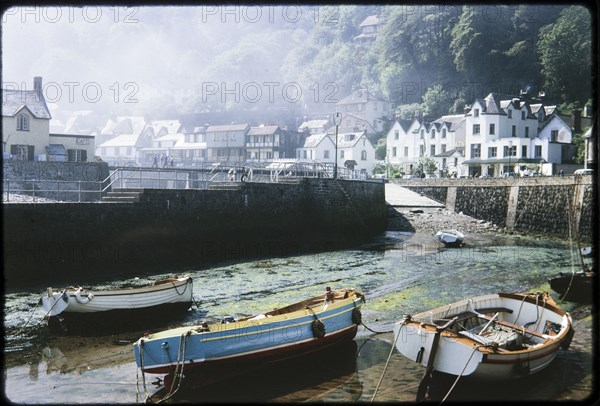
[388, 360]
[43, 317]
[178, 376]
[564, 296]
[461, 372]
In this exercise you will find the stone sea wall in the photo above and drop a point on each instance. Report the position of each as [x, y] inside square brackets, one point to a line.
[545, 205]
[170, 229]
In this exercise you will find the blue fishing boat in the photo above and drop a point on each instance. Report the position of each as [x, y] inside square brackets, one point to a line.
[233, 345]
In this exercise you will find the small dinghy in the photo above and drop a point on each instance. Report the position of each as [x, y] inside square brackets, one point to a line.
[171, 294]
[574, 286]
[205, 351]
[496, 336]
[450, 238]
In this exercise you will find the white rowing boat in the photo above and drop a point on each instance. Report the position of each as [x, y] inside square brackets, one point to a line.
[171, 293]
[503, 335]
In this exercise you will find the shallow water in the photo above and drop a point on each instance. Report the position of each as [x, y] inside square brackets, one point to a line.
[399, 273]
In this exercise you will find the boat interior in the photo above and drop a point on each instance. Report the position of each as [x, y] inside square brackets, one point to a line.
[489, 326]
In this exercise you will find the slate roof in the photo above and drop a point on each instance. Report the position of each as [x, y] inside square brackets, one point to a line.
[314, 140]
[452, 121]
[15, 100]
[361, 96]
[449, 153]
[313, 124]
[264, 130]
[123, 140]
[405, 124]
[370, 20]
[225, 128]
[342, 143]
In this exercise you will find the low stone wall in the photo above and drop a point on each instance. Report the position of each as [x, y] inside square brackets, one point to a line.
[66, 181]
[538, 205]
[171, 229]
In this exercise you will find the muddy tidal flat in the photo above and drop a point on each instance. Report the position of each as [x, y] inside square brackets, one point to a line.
[399, 273]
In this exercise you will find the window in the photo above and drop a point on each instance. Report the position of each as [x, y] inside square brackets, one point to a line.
[523, 151]
[326, 154]
[421, 150]
[363, 155]
[23, 122]
[538, 151]
[509, 113]
[443, 163]
[432, 150]
[77, 155]
[476, 128]
[526, 132]
[397, 135]
[394, 150]
[476, 113]
[514, 130]
[304, 154]
[443, 148]
[492, 152]
[406, 151]
[492, 129]
[510, 151]
[553, 135]
[522, 115]
[432, 136]
[342, 154]
[475, 150]
[422, 134]
[444, 133]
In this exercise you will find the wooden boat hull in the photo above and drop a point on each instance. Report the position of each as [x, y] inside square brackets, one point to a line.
[251, 341]
[506, 350]
[578, 286]
[171, 294]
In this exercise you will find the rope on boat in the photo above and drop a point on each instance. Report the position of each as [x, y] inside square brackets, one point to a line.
[461, 372]
[387, 362]
[43, 317]
[137, 391]
[178, 375]
[184, 287]
[571, 252]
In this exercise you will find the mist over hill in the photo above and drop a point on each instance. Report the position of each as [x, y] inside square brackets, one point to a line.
[164, 62]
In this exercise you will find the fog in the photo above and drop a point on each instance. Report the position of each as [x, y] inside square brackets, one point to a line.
[152, 60]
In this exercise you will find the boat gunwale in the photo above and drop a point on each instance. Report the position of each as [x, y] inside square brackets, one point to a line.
[180, 282]
[354, 296]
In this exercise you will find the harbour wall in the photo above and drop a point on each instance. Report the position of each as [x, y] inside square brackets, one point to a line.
[170, 229]
[544, 205]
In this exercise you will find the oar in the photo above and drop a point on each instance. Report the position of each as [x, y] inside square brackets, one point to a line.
[421, 392]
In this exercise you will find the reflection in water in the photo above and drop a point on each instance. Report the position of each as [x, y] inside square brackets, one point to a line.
[327, 374]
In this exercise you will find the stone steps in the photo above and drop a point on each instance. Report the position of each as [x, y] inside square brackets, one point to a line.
[124, 195]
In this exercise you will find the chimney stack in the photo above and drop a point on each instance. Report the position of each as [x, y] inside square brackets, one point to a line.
[576, 113]
[37, 84]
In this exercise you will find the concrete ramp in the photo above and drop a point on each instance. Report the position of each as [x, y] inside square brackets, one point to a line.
[398, 196]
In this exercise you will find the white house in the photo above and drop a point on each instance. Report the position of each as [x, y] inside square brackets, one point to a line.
[315, 126]
[355, 151]
[447, 144]
[502, 136]
[25, 123]
[364, 110]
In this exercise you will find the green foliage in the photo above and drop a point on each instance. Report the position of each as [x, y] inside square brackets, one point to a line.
[380, 148]
[436, 102]
[565, 54]
[390, 170]
[409, 111]
[426, 165]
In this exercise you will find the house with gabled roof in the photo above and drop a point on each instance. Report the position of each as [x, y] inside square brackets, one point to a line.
[25, 123]
[364, 110]
[505, 134]
[164, 127]
[368, 29]
[315, 126]
[227, 142]
[264, 143]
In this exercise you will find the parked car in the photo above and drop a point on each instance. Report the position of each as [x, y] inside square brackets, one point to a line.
[431, 176]
[484, 177]
[413, 176]
[510, 175]
[535, 174]
[584, 172]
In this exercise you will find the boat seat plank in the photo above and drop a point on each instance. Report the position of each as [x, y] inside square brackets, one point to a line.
[494, 310]
[516, 327]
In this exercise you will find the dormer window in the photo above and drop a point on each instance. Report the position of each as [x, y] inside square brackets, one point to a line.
[23, 122]
[522, 115]
[509, 113]
[443, 133]
[475, 112]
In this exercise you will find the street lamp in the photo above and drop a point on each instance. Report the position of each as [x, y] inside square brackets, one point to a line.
[337, 119]
[509, 154]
